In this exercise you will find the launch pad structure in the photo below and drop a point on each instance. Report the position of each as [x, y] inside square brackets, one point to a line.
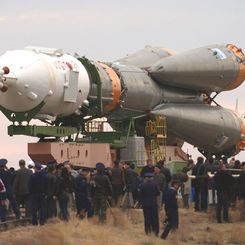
[97, 142]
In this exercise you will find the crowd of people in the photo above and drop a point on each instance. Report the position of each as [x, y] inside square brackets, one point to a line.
[57, 189]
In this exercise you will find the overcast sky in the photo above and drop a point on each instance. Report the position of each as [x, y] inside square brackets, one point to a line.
[107, 30]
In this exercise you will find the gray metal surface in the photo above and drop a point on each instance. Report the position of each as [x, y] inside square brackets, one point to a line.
[210, 128]
[139, 91]
[212, 68]
[135, 151]
[144, 58]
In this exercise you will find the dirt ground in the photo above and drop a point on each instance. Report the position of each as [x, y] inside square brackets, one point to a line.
[126, 228]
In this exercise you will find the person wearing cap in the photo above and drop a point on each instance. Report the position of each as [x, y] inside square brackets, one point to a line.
[63, 192]
[171, 209]
[37, 188]
[101, 189]
[20, 186]
[148, 195]
[6, 177]
[82, 198]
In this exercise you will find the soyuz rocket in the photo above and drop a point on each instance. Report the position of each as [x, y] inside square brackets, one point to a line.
[152, 81]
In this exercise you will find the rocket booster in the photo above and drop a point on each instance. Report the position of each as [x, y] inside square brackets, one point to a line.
[213, 68]
[211, 128]
[150, 80]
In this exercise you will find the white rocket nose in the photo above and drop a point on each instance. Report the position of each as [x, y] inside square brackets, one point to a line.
[29, 78]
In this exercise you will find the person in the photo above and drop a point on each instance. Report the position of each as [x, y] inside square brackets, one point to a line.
[171, 209]
[101, 189]
[235, 186]
[231, 163]
[196, 183]
[202, 181]
[117, 181]
[37, 188]
[161, 182]
[131, 180]
[6, 177]
[63, 191]
[223, 181]
[211, 168]
[185, 187]
[72, 175]
[3, 198]
[149, 168]
[82, 198]
[20, 186]
[51, 191]
[165, 171]
[148, 195]
[241, 183]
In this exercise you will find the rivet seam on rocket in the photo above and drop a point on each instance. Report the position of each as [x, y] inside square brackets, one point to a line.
[116, 87]
[241, 74]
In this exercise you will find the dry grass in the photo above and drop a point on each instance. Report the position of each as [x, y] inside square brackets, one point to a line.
[126, 228]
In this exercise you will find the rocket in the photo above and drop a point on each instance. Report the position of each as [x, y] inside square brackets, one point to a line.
[64, 90]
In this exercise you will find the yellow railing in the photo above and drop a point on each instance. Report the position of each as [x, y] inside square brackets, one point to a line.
[156, 131]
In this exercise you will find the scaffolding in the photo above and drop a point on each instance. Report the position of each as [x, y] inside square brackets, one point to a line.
[156, 133]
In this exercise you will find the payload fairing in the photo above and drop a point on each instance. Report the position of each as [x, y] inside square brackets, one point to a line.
[61, 88]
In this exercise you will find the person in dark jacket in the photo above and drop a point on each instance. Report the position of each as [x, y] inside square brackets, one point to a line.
[171, 209]
[37, 189]
[149, 168]
[165, 171]
[160, 180]
[64, 188]
[6, 177]
[101, 189]
[82, 198]
[131, 181]
[148, 194]
[117, 181]
[196, 183]
[20, 187]
[241, 183]
[51, 191]
[3, 198]
[223, 181]
[202, 181]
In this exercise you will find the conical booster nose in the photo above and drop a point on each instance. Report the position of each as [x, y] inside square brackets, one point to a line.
[208, 69]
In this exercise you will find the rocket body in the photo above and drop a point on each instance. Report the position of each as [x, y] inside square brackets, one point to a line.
[153, 80]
